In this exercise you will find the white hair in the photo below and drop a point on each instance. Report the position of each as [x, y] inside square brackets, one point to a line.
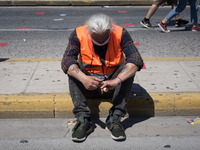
[99, 23]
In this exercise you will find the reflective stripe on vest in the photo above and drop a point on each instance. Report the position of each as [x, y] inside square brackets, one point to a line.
[114, 55]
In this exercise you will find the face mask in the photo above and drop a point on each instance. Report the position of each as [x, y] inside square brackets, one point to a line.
[100, 44]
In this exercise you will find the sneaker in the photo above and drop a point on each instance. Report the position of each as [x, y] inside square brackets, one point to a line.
[116, 129]
[81, 129]
[195, 29]
[163, 27]
[146, 24]
[181, 23]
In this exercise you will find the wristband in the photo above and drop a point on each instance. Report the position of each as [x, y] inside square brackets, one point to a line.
[119, 80]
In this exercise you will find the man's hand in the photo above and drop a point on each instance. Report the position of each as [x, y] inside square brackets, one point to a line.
[91, 82]
[109, 84]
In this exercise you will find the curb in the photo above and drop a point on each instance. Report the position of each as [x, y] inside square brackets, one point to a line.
[59, 105]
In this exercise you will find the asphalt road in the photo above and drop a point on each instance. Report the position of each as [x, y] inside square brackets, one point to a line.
[42, 32]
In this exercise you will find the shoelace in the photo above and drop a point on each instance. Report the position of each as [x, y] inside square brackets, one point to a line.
[77, 125]
[114, 124]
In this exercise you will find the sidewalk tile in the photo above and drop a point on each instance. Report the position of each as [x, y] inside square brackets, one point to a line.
[48, 78]
[165, 76]
[192, 68]
[15, 76]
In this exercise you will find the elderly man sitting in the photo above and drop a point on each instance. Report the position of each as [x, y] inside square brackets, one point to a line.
[100, 60]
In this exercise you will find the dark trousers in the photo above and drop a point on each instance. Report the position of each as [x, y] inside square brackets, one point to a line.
[119, 95]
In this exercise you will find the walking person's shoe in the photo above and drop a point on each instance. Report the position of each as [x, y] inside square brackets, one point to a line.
[163, 27]
[82, 128]
[181, 23]
[146, 23]
[195, 29]
[116, 129]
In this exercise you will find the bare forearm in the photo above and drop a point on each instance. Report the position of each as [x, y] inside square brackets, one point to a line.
[128, 71]
[75, 72]
[89, 82]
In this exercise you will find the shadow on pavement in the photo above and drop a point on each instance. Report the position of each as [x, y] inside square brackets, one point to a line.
[140, 103]
[3, 59]
[187, 27]
[139, 108]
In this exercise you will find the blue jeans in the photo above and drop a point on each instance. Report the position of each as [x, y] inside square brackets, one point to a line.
[120, 96]
[194, 4]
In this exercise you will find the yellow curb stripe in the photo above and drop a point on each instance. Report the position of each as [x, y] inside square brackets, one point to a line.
[60, 104]
[176, 101]
[33, 59]
[145, 59]
[29, 105]
[26, 102]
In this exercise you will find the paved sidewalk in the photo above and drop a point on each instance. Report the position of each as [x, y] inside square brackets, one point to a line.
[156, 133]
[39, 88]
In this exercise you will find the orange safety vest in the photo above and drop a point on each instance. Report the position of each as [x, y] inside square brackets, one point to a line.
[90, 60]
